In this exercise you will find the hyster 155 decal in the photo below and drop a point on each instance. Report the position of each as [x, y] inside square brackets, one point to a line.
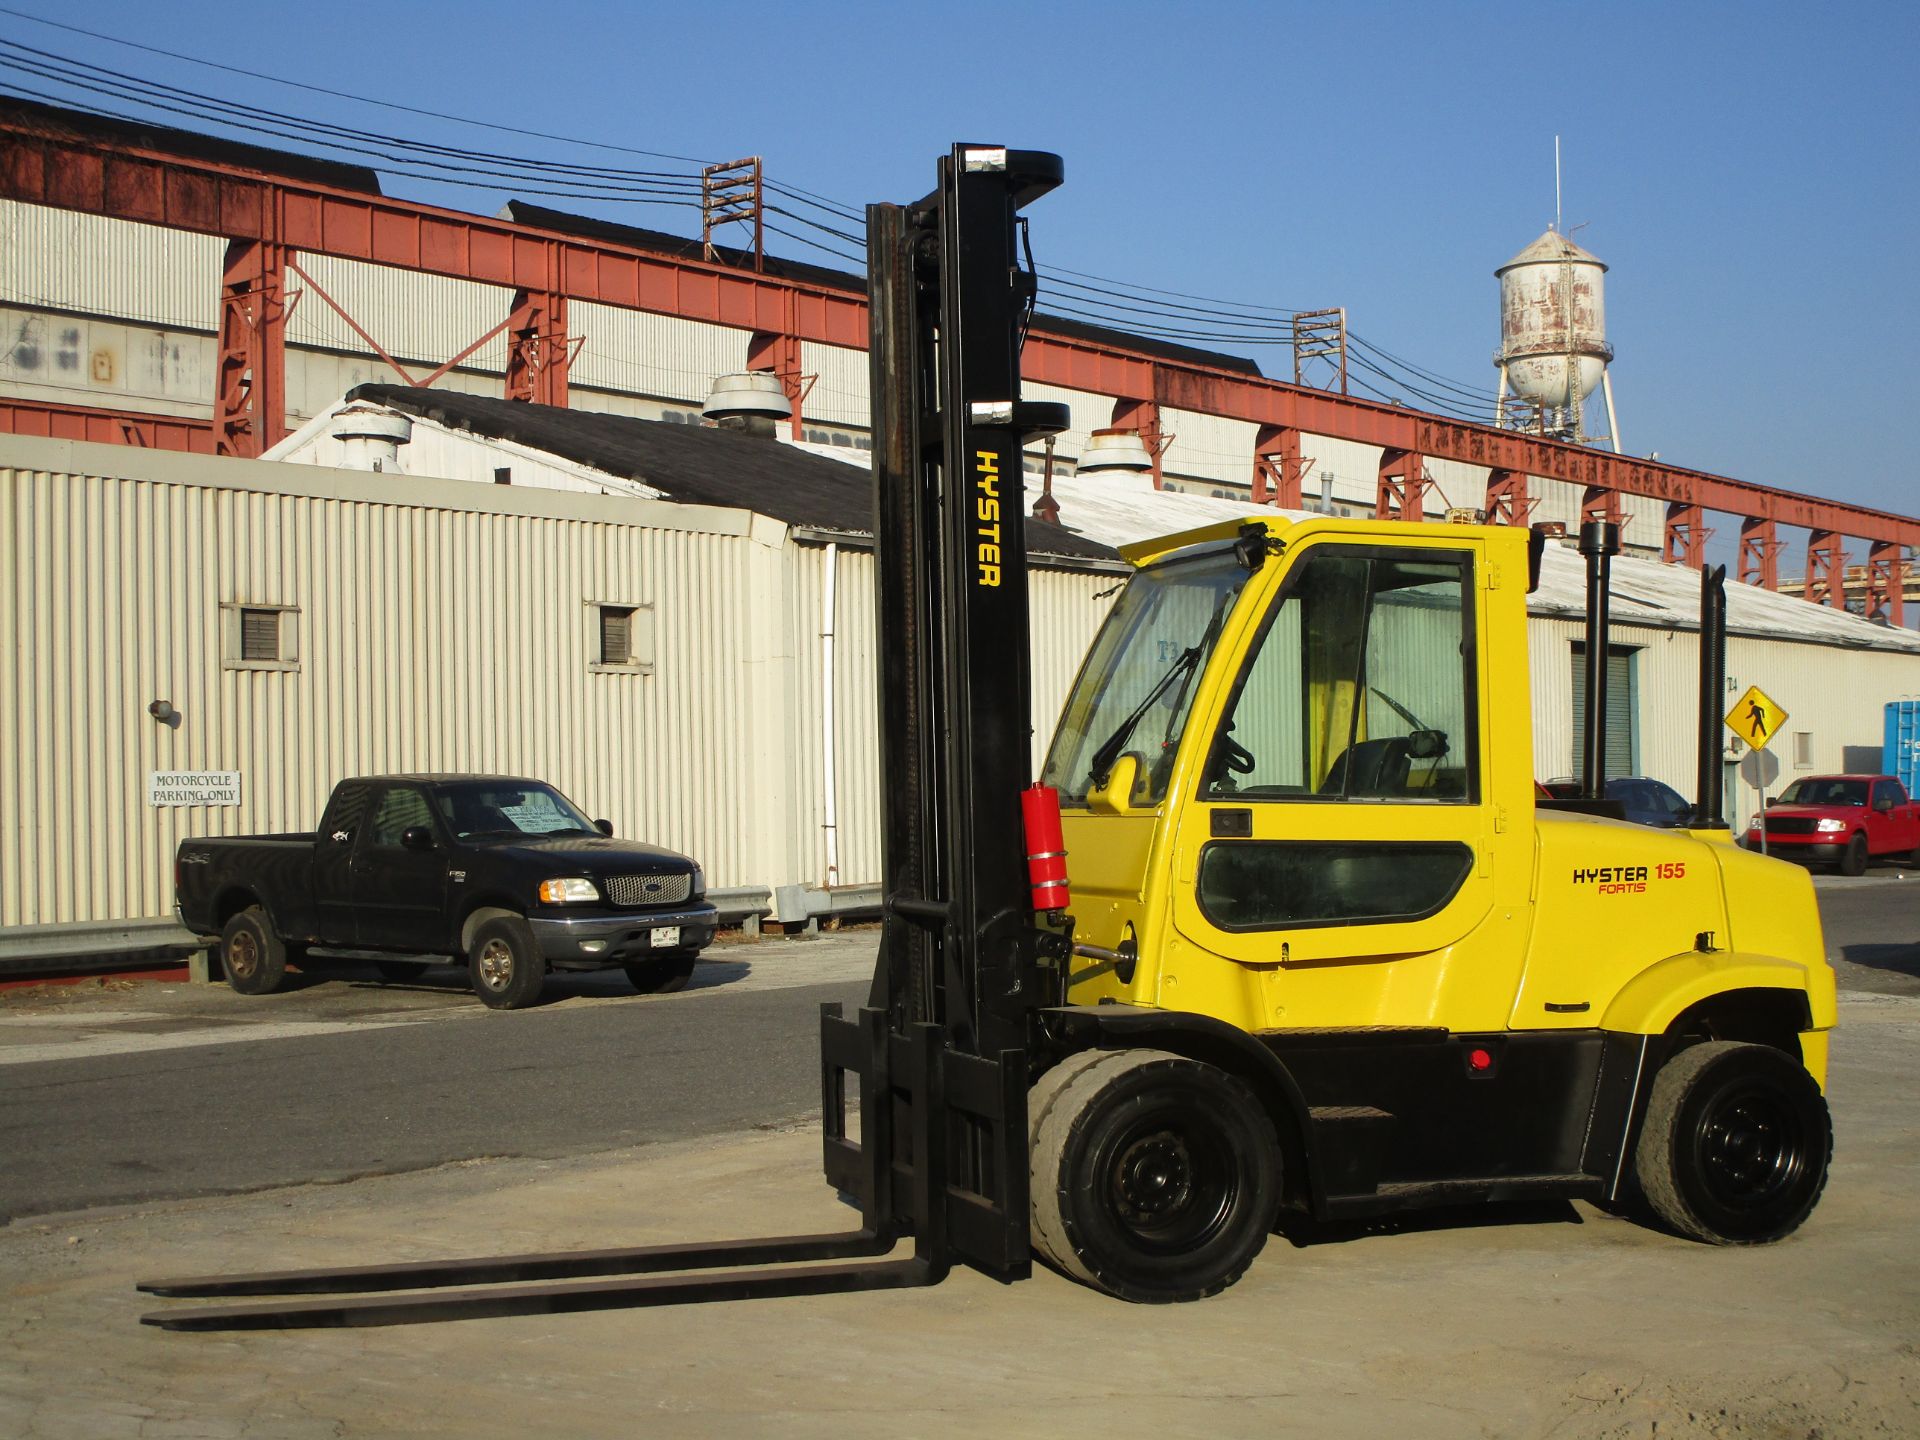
[1628, 879]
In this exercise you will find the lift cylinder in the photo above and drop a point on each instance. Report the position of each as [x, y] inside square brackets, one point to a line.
[1046, 846]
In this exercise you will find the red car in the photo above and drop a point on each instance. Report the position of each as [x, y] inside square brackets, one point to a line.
[1845, 820]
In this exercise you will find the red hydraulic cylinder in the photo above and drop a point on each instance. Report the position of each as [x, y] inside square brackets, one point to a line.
[1046, 846]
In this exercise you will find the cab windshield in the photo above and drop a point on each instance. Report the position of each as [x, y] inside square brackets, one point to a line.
[1137, 686]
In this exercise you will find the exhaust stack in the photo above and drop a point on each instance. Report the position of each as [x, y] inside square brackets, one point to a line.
[1708, 790]
[1599, 542]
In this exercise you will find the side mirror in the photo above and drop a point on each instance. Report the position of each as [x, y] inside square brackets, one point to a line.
[1885, 802]
[1116, 796]
[417, 837]
[605, 827]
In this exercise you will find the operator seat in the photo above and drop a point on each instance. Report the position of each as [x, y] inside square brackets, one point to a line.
[1377, 768]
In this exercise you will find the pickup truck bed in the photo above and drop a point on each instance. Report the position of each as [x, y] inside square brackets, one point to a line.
[501, 871]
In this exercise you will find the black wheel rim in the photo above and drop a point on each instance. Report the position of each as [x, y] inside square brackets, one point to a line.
[1752, 1148]
[1170, 1183]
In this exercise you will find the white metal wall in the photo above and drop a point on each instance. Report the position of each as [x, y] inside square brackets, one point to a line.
[446, 633]
[441, 626]
[89, 264]
[1833, 694]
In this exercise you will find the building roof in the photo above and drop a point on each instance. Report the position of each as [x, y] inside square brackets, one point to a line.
[1553, 248]
[65, 122]
[689, 464]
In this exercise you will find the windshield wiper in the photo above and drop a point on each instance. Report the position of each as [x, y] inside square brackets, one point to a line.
[1101, 769]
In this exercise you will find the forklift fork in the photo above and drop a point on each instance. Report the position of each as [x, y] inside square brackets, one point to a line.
[918, 1098]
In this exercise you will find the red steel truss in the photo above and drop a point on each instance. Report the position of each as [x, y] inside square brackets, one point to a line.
[268, 218]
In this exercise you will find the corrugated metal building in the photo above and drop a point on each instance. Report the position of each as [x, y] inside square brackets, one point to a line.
[425, 624]
[114, 313]
[415, 622]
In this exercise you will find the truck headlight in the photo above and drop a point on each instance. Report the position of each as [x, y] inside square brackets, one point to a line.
[1828, 826]
[699, 882]
[568, 892]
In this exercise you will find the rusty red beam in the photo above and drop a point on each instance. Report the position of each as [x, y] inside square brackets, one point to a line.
[106, 427]
[1080, 364]
[42, 164]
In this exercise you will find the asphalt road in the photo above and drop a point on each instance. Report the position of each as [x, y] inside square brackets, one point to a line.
[148, 1092]
[110, 1098]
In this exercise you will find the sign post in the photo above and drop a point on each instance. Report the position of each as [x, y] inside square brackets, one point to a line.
[1756, 718]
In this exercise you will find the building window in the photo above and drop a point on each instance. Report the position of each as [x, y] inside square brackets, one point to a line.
[259, 637]
[620, 637]
[1803, 749]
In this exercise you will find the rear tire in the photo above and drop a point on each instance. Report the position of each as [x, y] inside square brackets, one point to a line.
[662, 974]
[1854, 862]
[251, 954]
[1154, 1178]
[505, 964]
[1736, 1144]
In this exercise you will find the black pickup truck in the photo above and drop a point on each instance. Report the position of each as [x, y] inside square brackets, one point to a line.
[506, 873]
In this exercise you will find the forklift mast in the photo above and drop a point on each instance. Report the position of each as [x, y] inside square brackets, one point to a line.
[950, 302]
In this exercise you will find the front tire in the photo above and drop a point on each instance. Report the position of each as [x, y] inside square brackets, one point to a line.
[252, 956]
[505, 964]
[1736, 1144]
[662, 974]
[1154, 1178]
[1854, 862]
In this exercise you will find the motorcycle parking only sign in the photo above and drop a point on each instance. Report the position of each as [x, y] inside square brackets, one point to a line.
[193, 787]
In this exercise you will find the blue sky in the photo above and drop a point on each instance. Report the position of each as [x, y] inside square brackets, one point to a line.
[1751, 173]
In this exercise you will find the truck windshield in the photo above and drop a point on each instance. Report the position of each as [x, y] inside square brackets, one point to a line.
[1138, 683]
[1823, 791]
[492, 810]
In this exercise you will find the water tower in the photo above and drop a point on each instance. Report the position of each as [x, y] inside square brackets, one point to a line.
[1553, 338]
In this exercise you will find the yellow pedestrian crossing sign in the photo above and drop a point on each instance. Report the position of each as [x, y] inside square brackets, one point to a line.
[1755, 718]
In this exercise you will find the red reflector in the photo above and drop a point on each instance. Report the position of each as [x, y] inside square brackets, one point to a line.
[1480, 1060]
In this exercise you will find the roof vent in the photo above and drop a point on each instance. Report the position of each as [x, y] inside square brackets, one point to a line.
[752, 400]
[370, 438]
[1117, 455]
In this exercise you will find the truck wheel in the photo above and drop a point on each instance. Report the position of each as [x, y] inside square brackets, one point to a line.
[1854, 862]
[505, 964]
[251, 954]
[1154, 1178]
[1735, 1146]
[664, 973]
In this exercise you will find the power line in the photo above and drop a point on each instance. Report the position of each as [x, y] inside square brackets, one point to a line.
[1127, 306]
[342, 94]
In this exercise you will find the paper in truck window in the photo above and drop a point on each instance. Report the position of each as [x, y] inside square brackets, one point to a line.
[536, 814]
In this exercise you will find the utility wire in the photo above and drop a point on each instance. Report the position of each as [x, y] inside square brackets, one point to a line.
[1148, 310]
[253, 74]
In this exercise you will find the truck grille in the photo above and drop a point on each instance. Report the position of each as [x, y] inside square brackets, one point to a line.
[663, 889]
[1790, 825]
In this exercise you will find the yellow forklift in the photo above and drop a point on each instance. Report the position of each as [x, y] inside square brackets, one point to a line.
[1324, 950]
